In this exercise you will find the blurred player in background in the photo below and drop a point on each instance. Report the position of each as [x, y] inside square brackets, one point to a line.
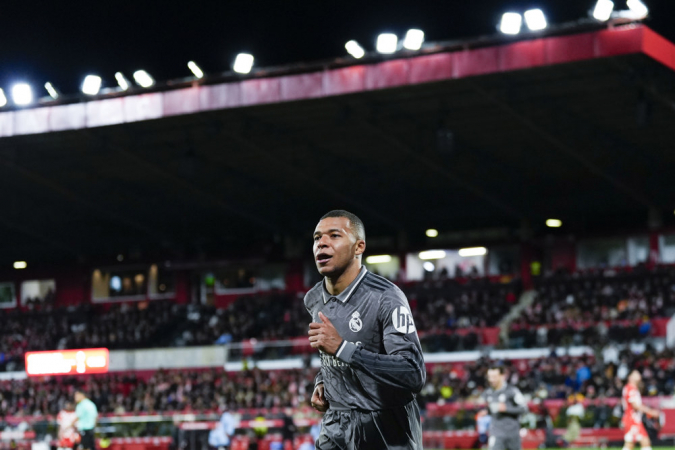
[633, 409]
[371, 358]
[221, 436]
[66, 418]
[505, 404]
[483, 420]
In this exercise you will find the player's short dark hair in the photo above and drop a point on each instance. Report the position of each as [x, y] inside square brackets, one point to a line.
[357, 226]
[500, 369]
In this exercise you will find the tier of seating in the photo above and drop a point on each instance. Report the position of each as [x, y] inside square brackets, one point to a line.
[591, 308]
[439, 307]
[553, 377]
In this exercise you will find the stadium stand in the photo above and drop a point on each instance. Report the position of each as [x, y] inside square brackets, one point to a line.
[596, 307]
[205, 391]
[450, 315]
[527, 100]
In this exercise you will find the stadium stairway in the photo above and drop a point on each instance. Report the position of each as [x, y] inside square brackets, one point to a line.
[526, 299]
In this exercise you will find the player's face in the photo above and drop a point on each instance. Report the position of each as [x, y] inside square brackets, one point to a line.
[494, 378]
[335, 246]
[635, 377]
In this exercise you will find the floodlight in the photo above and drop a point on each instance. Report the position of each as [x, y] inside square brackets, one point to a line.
[22, 94]
[603, 10]
[195, 69]
[638, 8]
[91, 84]
[386, 43]
[20, 264]
[535, 20]
[3, 99]
[51, 90]
[429, 266]
[553, 223]
[143, 78]
[122, 81]
[432, 233]
[354, 49]
[413, 39]
[243, 63]
[511, 23]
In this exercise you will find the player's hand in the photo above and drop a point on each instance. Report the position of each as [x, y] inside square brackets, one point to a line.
[324, 336]
[654, 413]
[502, 407]
[319, 401]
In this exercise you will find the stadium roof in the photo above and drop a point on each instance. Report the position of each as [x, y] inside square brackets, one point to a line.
[577, 127]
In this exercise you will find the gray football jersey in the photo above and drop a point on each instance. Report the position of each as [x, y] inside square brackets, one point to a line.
[505, 424]
[379, 364]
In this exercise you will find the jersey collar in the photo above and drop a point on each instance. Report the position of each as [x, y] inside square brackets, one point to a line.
[347, 293]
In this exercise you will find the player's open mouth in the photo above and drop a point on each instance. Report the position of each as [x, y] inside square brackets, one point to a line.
[323, 258]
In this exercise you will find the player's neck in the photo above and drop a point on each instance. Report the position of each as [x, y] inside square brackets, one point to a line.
[336, 285]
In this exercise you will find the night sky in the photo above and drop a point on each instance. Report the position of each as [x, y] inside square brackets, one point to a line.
[62, 41]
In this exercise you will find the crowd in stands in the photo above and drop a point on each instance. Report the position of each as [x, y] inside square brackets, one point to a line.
[596, 308]
[574, 309]
[113, 326]
[446, 304]
[439, 307]
[557, 377]
[554, 377]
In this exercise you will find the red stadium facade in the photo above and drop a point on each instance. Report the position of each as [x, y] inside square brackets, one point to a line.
[546, 51]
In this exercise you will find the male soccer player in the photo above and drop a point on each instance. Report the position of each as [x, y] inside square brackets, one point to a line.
[68, 437]
[220, 437]
[483, 420]
[633, 409]
[371, 358]
[505, 404]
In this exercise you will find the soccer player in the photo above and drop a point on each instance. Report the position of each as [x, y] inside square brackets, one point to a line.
[371, 359]
[66, 418]
[633, 409]
[505, 404]
[483, 420]
[221, 436]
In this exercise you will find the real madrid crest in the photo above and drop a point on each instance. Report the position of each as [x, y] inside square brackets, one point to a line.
[355, 323]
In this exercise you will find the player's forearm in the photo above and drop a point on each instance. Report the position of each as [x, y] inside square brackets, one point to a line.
[404, 369]
[516, 409]
[647, 410]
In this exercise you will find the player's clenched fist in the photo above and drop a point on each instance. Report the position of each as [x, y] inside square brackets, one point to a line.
[319, 401]
[324, 336]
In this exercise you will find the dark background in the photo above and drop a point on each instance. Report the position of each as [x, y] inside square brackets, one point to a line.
[62, 42]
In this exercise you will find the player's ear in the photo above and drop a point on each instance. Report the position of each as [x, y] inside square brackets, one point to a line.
[360, 247]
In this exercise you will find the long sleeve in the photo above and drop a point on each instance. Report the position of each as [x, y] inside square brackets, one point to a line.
[318, 379]
[319, 376]
[402, 366]
[518, 405]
